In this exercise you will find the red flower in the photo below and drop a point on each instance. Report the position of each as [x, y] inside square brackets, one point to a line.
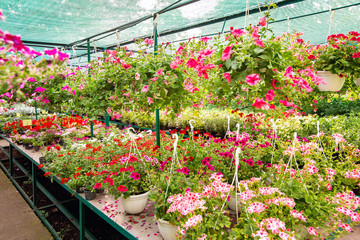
[122, 188]
[97, 186]
[40, 166]
[227, 52]
[261, 104]
[311, 57]
[270, 95]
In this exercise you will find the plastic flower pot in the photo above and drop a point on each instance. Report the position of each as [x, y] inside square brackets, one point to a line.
[232, 203]
[135, 203]
[28, 146]
[89, 195]
[334, 82]
[167, 230]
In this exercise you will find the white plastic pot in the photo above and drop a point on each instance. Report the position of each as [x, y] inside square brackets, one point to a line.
[357, 81]
[334, 82]
[135, 203]
[167, 230]
[232, 203]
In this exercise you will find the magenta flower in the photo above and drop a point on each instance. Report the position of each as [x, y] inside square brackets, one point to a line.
[74, 92]
[15, 41]
[270, 95]
[252, 79]
[145, 88]
[52, 52]
[148, 41]
[237, 32]
[260, 163]
[135, 175]
[192, 63]
[227, 52]
[262, 21]
[150, 101]
[184, 170]
[227, 77]
[40, 89]
[286, 103]
[159, 72]
[97, 186]
[31, 79]
[180, 50]
[261, 104]
[62, 56]
[205, 39]
[250, 162]
[66, 88]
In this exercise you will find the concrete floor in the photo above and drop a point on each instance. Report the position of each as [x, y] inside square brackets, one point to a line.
[17, 220]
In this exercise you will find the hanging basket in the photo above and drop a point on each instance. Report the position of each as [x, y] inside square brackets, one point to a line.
[167, 230]
[135, 203]
[357, 81]
[334, 82]
[232, 203]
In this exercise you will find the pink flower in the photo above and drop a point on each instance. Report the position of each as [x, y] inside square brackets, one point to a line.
[31, 79]
[227, 52]
[150, 101]
[74, 92]
[270, 95]
[312, 231]
[261, 104]
[154, 79]
[137, 76]
[191, 63]
[40, 89]
[148, 41]
[286, 103]
[145, 88]
[180, 50]
[259, 43]
[227, 77]
[2, 17]
[252, 79]
[81, 86]
[205, 39]
[174, 64]
[237, 32]
[97, 186]
[256, 207]
[159, 72]
[262, 21]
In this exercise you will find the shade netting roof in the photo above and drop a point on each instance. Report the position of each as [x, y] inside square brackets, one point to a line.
[67, 23]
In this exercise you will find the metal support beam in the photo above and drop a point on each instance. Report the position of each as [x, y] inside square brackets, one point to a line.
[11, 161]
[82, 220]
[212, 21]
[34, 183]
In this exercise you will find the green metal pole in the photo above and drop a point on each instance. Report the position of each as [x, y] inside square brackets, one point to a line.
[36, 110]
[34, 184]
[91, 128]
[82, 220]
[107, 120]
[88, 54]
[11, 160]
[155, 37]
[222, 30]
[158, 127]
[157, 110]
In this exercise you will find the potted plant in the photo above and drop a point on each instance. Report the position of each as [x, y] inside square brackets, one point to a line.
[336, 60]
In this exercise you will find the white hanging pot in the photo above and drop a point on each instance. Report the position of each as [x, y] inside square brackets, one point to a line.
[167, 230]
[334, 82]
[135, 203]
[232, 203]
[357, 81]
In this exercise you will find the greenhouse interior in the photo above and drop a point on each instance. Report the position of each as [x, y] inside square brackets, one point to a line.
[180, 119]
